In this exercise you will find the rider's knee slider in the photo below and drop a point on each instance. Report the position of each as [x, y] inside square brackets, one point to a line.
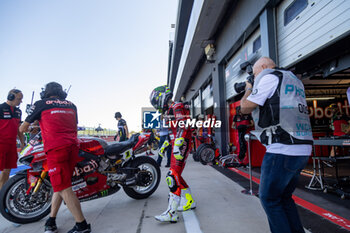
[171, 181]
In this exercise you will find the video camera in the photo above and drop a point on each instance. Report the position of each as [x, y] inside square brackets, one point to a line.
[247, 67]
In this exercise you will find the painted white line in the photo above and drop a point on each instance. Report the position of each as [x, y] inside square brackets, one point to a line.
[191, 222]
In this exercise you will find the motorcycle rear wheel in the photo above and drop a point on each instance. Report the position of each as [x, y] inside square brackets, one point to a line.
[149, 176]
[18, 207]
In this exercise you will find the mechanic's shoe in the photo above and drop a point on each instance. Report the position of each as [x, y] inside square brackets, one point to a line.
[76, 229]
[187, 202]
[170, 215]
[50, 226]
[51, 229]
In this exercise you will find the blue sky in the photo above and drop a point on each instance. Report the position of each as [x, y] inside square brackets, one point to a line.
[112, 52]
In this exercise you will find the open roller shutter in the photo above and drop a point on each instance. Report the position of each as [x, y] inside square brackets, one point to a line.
[306, 26]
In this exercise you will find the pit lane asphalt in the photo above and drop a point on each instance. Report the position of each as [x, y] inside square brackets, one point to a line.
[221, 208]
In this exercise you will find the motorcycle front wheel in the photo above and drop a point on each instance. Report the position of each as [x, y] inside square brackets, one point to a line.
[148, 178]
[16, 206]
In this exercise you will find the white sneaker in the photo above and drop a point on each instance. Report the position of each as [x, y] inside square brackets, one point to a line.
[170, 215]
[187, 202]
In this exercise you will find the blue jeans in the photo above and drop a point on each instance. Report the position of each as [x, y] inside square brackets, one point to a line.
[279, 178]
[167, 151]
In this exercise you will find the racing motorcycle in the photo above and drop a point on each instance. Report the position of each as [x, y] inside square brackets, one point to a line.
[102, 169]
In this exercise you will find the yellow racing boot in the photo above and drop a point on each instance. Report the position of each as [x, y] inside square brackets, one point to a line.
[187, 202]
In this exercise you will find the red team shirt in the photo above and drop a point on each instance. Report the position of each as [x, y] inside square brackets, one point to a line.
[10, 119]
[337, 121]
[58, 122]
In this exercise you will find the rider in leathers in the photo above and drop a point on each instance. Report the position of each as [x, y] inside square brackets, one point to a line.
[180, 136]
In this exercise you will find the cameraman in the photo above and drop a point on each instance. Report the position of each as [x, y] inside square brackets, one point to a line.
[277, 102]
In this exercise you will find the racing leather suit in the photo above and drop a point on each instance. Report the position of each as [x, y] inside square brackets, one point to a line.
[181, 140]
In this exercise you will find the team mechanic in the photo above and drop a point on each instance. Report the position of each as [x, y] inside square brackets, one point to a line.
[58, 122]
[10, 118]
[277, 101]
[242, 122]
[180, 197]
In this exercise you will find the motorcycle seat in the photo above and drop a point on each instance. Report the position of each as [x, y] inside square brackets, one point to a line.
[120, 147]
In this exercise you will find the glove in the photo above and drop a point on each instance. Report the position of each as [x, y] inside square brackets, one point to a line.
[176, 151]
[162, 149]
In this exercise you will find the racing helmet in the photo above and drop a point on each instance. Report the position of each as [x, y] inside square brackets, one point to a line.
[160, 96]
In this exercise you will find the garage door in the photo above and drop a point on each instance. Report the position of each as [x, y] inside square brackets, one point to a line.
[306, 26]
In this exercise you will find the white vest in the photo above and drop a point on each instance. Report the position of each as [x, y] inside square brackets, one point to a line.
[284, 117]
